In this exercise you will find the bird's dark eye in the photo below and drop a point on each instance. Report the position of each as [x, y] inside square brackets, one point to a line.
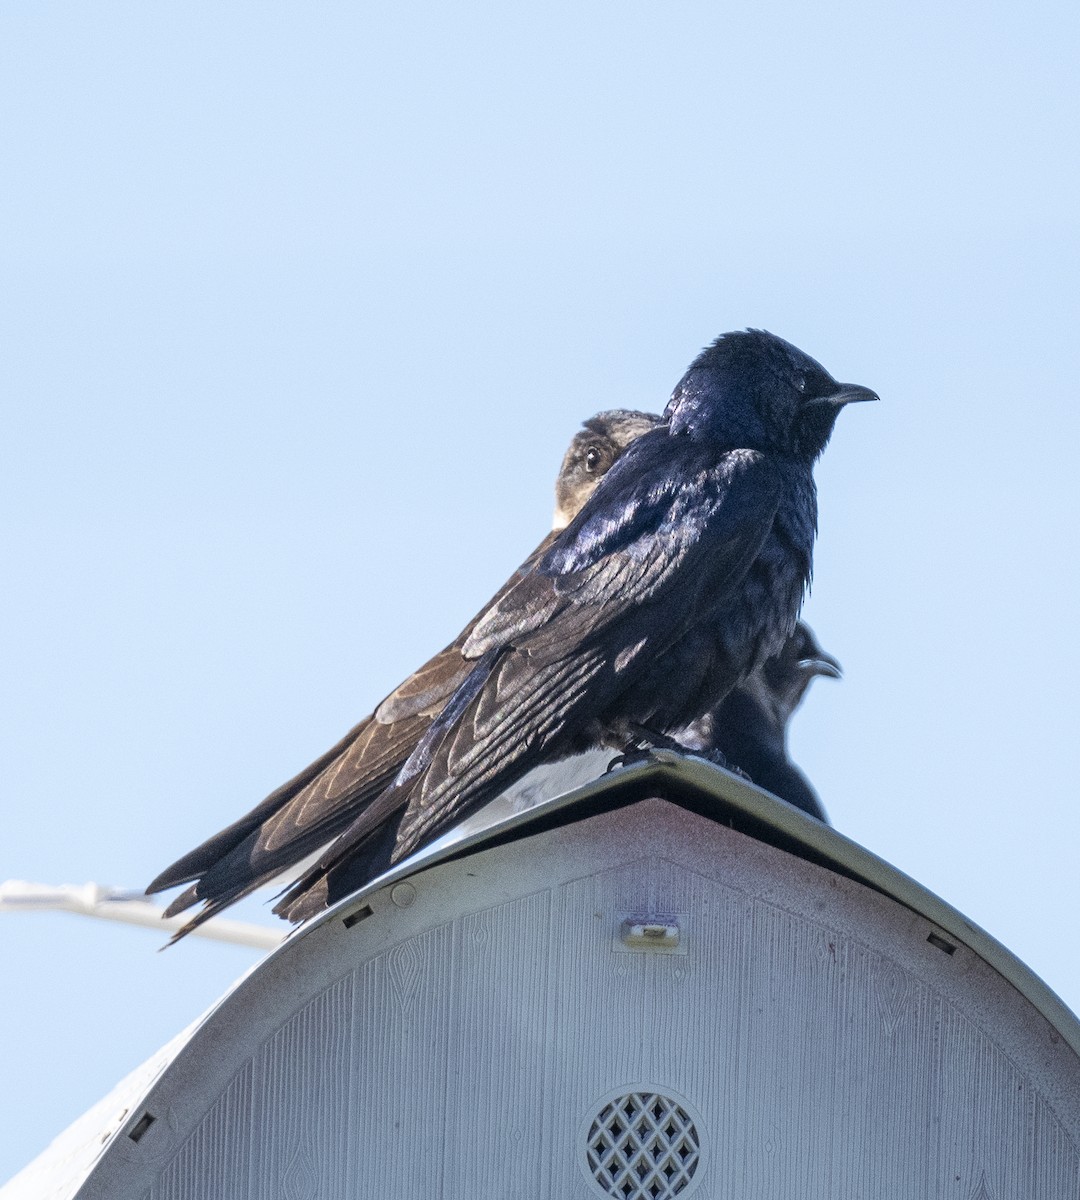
[802, 382]
[593, 458]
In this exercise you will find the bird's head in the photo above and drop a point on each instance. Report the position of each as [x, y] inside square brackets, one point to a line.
[593, 452]
[790, 672]
[753, 390]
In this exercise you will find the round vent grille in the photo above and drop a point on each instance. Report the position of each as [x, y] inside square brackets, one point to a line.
[642, 1146]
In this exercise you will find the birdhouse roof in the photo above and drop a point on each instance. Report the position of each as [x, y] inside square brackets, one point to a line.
[669, 881]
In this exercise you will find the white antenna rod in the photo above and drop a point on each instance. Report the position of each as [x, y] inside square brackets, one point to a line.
[131, 908]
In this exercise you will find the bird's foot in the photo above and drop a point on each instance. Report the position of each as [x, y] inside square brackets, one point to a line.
[630, 756]
[641, 744]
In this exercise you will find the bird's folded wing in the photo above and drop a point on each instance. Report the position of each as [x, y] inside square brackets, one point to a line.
[314, 815]
[545, 648]
[426, 691]
[198, 861]
[306, 808]
[522, 708]
[357, 855]
[624, 552]
[596, 604]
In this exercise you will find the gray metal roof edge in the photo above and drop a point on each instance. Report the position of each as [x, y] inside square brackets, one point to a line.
[770, 819]
[862, 864]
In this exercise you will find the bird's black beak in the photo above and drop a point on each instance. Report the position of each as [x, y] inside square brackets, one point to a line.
[821, 664]
[850, 393]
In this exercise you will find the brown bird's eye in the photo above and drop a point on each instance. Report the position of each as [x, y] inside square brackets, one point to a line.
[592, 458]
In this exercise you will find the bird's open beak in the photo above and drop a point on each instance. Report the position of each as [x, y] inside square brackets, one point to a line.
[821, 664]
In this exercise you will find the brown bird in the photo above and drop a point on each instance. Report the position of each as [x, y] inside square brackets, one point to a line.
[315, 806]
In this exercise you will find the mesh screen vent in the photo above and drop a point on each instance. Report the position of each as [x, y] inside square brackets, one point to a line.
[643, 1146]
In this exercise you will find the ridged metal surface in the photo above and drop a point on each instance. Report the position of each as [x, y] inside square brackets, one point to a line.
[461, 1046]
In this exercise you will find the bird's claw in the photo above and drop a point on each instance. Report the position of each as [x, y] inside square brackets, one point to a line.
[642, 743]
[629, 757]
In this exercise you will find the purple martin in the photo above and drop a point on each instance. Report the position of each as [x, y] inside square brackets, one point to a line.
[683, 572]
[303, 814]
[749, 726]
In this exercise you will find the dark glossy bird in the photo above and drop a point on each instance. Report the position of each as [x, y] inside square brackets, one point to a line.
[682, 573]
[750, 725]
[303, 814]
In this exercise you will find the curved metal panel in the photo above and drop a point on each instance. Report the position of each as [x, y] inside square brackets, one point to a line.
[457, 1035]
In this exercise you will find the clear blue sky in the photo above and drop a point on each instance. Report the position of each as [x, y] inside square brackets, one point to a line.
[301, 304]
